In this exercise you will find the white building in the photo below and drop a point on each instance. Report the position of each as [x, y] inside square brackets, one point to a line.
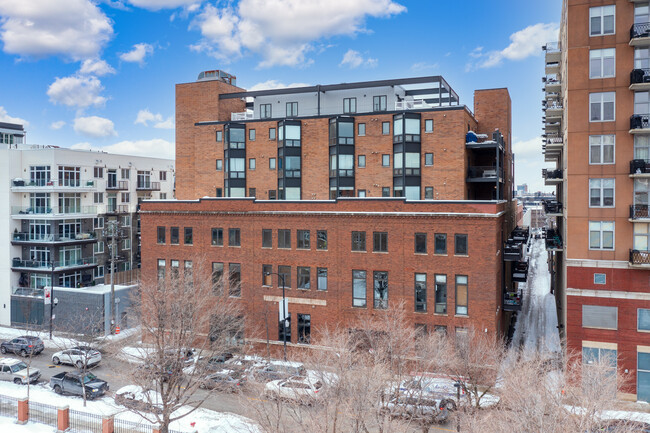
[55, 205]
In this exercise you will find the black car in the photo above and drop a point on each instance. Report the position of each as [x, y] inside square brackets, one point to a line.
[23, 346]
[75, 383]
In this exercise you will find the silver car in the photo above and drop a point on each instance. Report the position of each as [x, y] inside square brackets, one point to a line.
[77, 356]
[15, 371]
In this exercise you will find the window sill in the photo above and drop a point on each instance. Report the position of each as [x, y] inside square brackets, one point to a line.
[421, 312]
[283, 248]
[598, 327]
[353, 251]
[267, 248]
[441, 314]
[461, 255]
[214, 245]
[304, 249]
[321, 249]
[234, 246]
[380, 252]
[463, 316]
[440, 255]
[421, 254]
[360, 308]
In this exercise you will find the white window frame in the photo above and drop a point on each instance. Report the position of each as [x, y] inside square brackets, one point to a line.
[600, 230]
[602, 12]
[97, 249]
[637, 320]
[126, 244]
[602, 55]
[602, 308]
[602, 98]
[99, 219]
[599, 184]
[99, 271]
[601, 145]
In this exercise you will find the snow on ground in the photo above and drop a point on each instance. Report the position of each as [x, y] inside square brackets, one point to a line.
[9, 425]
[55, 343]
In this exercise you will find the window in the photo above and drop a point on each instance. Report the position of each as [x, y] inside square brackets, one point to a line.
[98, 172]
[321, 283]
[219, 164]
[234, 270]
[321, 240]
[271, 133]
[361, 193]
[361, 129]
[284, 329]
[304, 328]
[303, 240]
[267, 238]
[234, 238]
[349, 105]
[161, 235]
[358, 288]
[385, 128]
[251, 163]
[440, 243]
[126, 173]
[98, 197]
[601, 20]
[441, 294]
[380, 290]
[601, 235]
[251, 135]
[218, 192]
[461, 295]
[596, 316]
[271, 163]
[163, 175]
[643, 319]
[601, 149]
[602, 63]
[601, 106]
[380, 242]
[99, 272]
[163, 196]
[98, 248]
[379, 103]
[265, 111]
[252, 192]
[126, 197]
[385, 160]
[428, 193]
[267, 279]
[217, 275]
[217, 237]
[607, 354]
[161, 269]
[600, 278]
[641, 102]
[188, 238]
[385, 191]
[428, 159]
[460, 245]
[421, 293]
[292, 109]
[361, 161]
[272, 194]
[98, 222]
[304, 274]
[284, 238]
[219, 136]
[641, 236]
[601, 192]
[420, 243]
[428, 125]
[359, 241]
[126, 244]
[285, 273]
[173, 235]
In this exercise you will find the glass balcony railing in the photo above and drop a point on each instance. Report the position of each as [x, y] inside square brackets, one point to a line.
[45, 210]
[31, 237]
[53, 183]
[45, 266]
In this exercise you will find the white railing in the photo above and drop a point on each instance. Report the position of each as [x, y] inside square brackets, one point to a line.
[244, 115]
[414, 104]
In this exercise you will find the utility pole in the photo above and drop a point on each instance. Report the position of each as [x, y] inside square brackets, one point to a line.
[113, 230]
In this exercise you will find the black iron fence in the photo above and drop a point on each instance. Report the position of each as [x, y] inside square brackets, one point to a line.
[8, 406]
[640, 257]
[81, 422]
[43, 413]
[640, 30]
[640, 121]
[638, 211]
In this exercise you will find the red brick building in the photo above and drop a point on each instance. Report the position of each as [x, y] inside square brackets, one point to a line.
[361, 195]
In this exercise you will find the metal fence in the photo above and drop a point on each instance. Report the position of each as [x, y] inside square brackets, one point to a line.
[43, 413]
[8, 406]
[124, 426]
[84, 422]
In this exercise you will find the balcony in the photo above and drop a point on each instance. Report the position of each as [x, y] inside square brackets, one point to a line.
[520, 234]
[117, 209]
[553, 109]
[552, 208]
[17, 264]
[640, 258]
[552, 68]
[512, 301]
[483, 141]
[553, 240]
[552, 125]
[520, 272]
[22, 185]
[484, 174]
[639, 212]
[640, 79]
[119, 185]
[24, 238]
[552, 177]
[554, 144]
[513, 251]
[413, 104]
[640, 34]
[553, 52]
[28, 291]
[640, 168]
[244, 115]
[148, 186]
[42, 212]
[551, 85]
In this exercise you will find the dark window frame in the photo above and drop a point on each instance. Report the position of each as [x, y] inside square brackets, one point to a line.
[379, 242]
[304, 328]
[303, 277]
[318, 279]
[357, 301]
[234, 237]
[438, 240]
[358, 239]
[458, 238]
[303, 242]
[428, 159]
[428, 122]
[267, 235]
[174, 235]
[420, 287]
[161, 235]
[423, 239]
[188, 236]
[378, 280]
[234, 278]
[284, 238]
[320, 240]
[216, 238]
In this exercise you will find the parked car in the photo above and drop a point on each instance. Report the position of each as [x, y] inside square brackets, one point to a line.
[77, 356]
[74, 383]
[134, 397]
[614, 425]
[297, 389]
[23, 346]
[418, 408]
[216, 363]
[225, 380]
[15, 371]
[441, 388]
[278, 371]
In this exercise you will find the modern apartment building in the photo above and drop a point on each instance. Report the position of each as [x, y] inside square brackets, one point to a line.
[353, 196]
[53, 224]
[597, 111]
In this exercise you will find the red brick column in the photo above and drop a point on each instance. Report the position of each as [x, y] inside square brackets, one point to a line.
[23, 410]
[107, 424]
[155, 429]
[63, 418]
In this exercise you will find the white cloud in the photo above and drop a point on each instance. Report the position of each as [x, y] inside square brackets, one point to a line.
[354, 59]
[75, 91]
[94, 126]
[274, 84]
[57, 125]
[156, 5]
[523, 44]
[4, 117]
[156, 147]
[529, 162]
[76, 29]
[253, 26]
[165, 124]
[145, 116]
[96, 67]
[424, 66]
[137, 54]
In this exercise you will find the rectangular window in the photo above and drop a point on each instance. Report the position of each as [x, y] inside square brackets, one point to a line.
[601, 149]
[304, 328]
[271, 133]
[265, 111]
[98, 197]
[126, 173]
[126, 197]
[602, 106]
[219, 136]
[596, 316]
[428, 125]
[272, 194]
[461, 295]
[217, 237]
[161, 269]
[460, 245]
[380, 242]
[440, 243]
[601, 20]
[600, 278]
[321, 240]
[267, 238]
[219, 192]
[643, 319]
[174, 235]
[441, 294]
[361, 193]
[235, 279]
[271, 163]
[285, 274]
[234, 238]
[359, 241]
[322, 279]
[98, 172]
[304, 274]
[251, 135]
[428, 159]
[379, 103]
[163, 196]
[358, 288]
[188, 238]
[99, 272]
[428, 193]
[219, 164]
[292, 109]
[601, 192]
[385, 191]
[420, 243]
[267, 279]
[252, 192]
[163, 175]
[126, 221]
[385, 160]
[284, 238]
[361, 129]
[361, 161]
[380, 293]
[421, 293]
[303, 239]
[251, 163]
[385, 128]
[592, 355]
[98, 223]
[161, 235]
[217, 275]
[601, 235]
[602, 63]
[98, 248]
[349, 105]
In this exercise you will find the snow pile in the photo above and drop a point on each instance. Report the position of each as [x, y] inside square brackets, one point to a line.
[9, 425]
[55, 343]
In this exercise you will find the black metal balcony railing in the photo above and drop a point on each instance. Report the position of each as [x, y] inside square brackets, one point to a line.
[638, 76]
[520, 234]
[513, 251]
[640, 166]
[553, 240]
[551, 174]
[31, 237]
[638, 211]
[512, 301]
[640, 121]
[520, 271]
[485, 172]
[148, 186]
[640, 30]
[118, 185]
[640, 257]
[552, 207]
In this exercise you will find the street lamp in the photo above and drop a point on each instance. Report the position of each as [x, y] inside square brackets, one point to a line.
[52, 297]
[457, 385]
[284, 313]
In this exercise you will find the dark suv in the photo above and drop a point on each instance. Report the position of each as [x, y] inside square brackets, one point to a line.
[23, 346]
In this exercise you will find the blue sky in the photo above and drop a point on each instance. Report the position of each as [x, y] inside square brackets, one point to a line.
[101, 74]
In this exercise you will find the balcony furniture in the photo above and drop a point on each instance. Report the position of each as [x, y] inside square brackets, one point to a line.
[640, 30]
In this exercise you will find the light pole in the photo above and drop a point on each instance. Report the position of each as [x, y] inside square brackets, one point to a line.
[457, 385]
[284, 309]
[51, 297]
